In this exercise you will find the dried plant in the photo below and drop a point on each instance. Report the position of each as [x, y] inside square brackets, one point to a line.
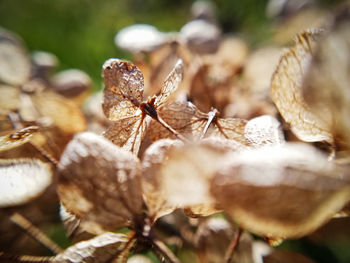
[198, 167]
[123, 104]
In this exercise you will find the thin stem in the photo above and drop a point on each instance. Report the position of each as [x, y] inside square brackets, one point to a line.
[46, 154]
[163, 253]
[25, 259]
[169, 128]
[36, 233]
[211, 116]
[233, 245]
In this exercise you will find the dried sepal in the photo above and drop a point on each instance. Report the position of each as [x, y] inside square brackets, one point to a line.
[73, 84]
[286, 91]
[17, 138]
[263, 130]
[153, 158]
[70, 222]
[326, 84]
[14, 60]
[9, 99]
[129, 38]
[213, 237]
[99, 183]
[128, 133]
[184, 177]
[139, 259]
[101, 249]
[22, 180]
[171, 83]
[200, 36]
[281, 191]
[210, 85]
[69, 118]
[124, 86]
[187, 120]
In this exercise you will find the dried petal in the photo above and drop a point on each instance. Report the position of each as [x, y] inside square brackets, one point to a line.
[22, 180]
[17, 138]
[213, 237]
[187, 120]
[101, 249]
[123, 89]
[129, 38]
[259, 68]
[210, 85]
[9, 99]
[326, 85]
[264, 130]
[59, 111]
[128, 133]
[139, 259]
[200, 36]
[286, 91]
[72, 83]
[184, 176]
[171, 83]
[14, 60]
[99, 183]
[153, 158]
[70, 221]
[282, 191]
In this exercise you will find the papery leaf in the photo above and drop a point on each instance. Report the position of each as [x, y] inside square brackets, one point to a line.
[326, 84]
[101, 249]
[282, 191]
[21, 180]
[17, 138]
[286, 91]
[99, 183]
[14, 60]
[153, 158]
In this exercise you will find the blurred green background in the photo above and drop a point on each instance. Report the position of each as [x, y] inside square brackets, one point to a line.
[80, 32]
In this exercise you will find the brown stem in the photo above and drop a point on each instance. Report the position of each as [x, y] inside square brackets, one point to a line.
[233, 245]
[24, 259]
[169, 128]
[36, 233]
[163, 253]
